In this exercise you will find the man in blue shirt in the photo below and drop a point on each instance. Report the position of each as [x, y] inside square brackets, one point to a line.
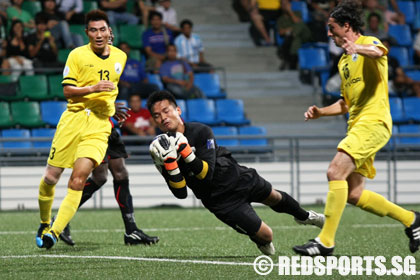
[178, 76]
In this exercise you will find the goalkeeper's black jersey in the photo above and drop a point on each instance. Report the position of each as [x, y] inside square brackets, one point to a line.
[223, 171]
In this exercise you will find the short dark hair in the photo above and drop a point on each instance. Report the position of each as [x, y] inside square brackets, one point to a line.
[158, 96]
[186, 21]
[374, 14]
[348, 11]
[96, 15]
[41, 18]
[155, 14]
[170, 45]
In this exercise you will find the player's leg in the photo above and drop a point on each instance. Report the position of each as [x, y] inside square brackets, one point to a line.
[45, 199]
[81, 170]
[377, 204]
[340, 168]
[133, 235]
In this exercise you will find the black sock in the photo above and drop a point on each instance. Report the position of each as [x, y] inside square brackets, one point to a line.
[290, 206]
[125, 202]
[90, 188]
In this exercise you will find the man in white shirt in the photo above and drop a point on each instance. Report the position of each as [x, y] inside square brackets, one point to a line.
[169, 15]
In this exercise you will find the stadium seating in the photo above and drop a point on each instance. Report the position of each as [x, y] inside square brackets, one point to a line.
[231, 112]
[202, 110]
[155, 79]
[34, 87]
[209, 83]
[33, 7]
[132, 35]
[80, 29]
[402, 55]
[63, 54]
[5, 116]
[9, 89]
[409, 129]
[225, 131]
[408, 9]
[401, 33]
[26, 114]
[16, 133]
[412, 108]
[135, 54]
[55, 87]
[413, 74]
[184, 112]
[51, 111]
[397, 110]
[89, 6]
[253, 130]
[42, 132]
[302, 7]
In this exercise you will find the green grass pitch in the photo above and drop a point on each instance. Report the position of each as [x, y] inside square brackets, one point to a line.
[193, 245]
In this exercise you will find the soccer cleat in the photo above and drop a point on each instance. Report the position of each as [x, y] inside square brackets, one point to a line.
[65, 235]
[139, 237]
[313, 248]
[267, 249]
[413, 233]
[314, 218]
[49, 239]
[43, 228]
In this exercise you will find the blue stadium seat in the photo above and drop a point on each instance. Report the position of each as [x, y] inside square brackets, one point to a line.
[224, 131]
[231, 111]
[184, 112]
[412, 108]
[413, 74]
[202, 110]
[409, 129]
[401, 33]
[253, 130]
[209, 83]
[408, 9]
[155, 79]
[312, 58]
[17, 133]
[397, 110]
[51, 111]
[42, 132]
[302, 7]
[402, 55]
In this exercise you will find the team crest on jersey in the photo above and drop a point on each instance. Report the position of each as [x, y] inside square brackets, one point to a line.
[354, 57]
[66, 71]
[118, 68]
[210, 144]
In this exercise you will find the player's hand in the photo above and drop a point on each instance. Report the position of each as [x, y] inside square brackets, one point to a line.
[165, 146]
[349, 46]
[180, 141]
[154, 153]
[104, 86]
[312, 113]
[121, 112]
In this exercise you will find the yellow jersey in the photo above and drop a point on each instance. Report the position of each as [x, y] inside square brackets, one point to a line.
[85, 68]
[269, 4]
[364, 85]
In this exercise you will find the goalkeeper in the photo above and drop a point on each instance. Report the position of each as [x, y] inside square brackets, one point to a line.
[189, 155]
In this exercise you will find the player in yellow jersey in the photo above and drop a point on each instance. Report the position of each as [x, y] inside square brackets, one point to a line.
[364, 74]
[90, 79]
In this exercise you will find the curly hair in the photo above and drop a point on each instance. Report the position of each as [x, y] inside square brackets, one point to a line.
[349, 11]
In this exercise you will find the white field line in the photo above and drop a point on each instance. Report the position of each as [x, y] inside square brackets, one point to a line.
[199, 229]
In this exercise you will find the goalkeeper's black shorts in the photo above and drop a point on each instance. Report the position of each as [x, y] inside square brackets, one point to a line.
[116, 147]
[234, 208]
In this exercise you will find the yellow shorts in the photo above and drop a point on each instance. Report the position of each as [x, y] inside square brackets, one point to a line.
[79, 134]
[362, 143]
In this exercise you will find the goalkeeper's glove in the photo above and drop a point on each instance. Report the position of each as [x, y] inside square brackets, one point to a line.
[163, 151]
[183, 147]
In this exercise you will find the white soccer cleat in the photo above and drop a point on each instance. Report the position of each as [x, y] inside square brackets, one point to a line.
[315, 219]
[267, 249]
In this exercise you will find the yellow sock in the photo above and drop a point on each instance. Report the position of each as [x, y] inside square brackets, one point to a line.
[45, 201]
[377, 204]
[67, 210]
[334, 207]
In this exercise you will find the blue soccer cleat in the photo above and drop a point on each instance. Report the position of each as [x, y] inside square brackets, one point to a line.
[49, 239]
[43, 228]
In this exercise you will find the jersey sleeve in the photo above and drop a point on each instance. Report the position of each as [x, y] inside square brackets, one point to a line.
[204, 164]
[71, 70]
[178, 189]
[370, 40]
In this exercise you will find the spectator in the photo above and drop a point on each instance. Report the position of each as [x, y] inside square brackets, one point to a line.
[393, 15]
[416, 48]
[72, 10]
[4, 63]
[258, 29]
[134, 78]
[190, 48]
[372, 6]
[41, 45]
[17, 51]
[140, 121]
[4, 4]
[178, 76]
[117, 12]
[319, 12]
[169, 18]
[59, 27]
[15, 12]
[372, 29]
[155, 40]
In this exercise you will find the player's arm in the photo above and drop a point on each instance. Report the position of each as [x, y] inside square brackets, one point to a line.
[368, 50]
[74, 91]
[202, 162]
[164, 156]
[337, 108]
